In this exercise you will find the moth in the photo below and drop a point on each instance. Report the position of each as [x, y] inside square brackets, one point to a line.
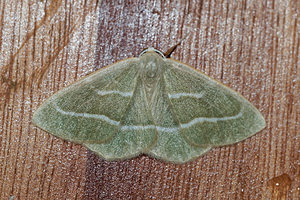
[149, 105]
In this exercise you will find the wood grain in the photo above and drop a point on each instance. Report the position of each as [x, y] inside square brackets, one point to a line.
[251, 46]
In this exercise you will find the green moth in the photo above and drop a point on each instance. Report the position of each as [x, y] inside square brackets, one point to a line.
[149, 105]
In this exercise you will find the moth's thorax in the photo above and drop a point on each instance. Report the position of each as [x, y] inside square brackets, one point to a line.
[151, 72]
[152, 65]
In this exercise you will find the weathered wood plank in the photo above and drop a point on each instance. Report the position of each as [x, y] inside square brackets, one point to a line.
[251, 46]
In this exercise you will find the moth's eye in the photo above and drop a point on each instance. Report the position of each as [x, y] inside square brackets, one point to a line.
[151, 69]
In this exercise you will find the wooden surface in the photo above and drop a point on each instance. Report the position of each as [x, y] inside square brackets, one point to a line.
[251, 46]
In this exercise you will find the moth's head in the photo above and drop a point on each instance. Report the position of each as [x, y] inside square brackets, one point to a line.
[152, 51]
[151, 55]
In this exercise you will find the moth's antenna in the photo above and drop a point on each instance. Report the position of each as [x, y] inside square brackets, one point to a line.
[172, 49]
